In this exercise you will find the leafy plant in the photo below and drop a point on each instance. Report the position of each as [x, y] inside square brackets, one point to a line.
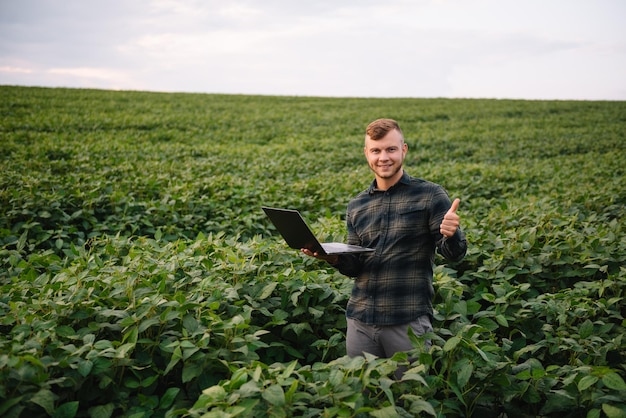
[139, 277]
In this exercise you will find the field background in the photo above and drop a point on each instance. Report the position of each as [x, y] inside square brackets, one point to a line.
[139, 276]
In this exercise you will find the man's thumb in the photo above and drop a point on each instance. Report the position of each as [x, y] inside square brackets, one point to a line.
[455, 205]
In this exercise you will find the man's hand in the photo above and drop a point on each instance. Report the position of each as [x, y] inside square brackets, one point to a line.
[451, 220]
[332, 259]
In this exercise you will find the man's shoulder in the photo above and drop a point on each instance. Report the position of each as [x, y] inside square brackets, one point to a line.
[365, 194]
[418, 182]
[362, 200]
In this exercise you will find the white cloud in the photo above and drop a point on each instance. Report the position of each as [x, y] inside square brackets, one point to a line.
[15, 70]
[88, 73]
[97, 77]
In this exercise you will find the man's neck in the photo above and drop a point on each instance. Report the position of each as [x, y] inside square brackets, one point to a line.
[385, 184]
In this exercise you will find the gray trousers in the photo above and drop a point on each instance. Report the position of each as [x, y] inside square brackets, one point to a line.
[383, 341]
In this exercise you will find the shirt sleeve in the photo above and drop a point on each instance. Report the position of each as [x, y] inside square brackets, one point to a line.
[350, 264]
[453, 248]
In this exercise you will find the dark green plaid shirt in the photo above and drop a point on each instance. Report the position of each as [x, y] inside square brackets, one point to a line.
[393, 285]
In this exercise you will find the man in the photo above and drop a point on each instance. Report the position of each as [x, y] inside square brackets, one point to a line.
[405, 220]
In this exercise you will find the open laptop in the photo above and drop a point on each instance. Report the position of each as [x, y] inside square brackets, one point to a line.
[298, 235]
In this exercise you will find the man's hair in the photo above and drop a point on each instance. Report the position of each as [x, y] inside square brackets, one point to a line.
[381, 127]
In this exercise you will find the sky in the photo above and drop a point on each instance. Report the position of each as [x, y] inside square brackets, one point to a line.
[504, 49]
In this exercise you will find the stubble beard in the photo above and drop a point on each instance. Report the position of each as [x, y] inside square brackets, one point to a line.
[387, 175]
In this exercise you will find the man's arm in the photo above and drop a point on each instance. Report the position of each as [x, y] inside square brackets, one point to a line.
[346, 264]
[453, 248]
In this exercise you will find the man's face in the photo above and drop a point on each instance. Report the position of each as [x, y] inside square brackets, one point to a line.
[385, 156]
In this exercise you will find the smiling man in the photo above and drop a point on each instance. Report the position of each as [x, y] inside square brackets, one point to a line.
[406, 220]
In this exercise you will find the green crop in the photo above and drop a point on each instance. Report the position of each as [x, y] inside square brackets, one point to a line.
[139, 276]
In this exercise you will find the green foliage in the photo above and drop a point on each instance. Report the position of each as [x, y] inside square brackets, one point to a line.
[139, 277]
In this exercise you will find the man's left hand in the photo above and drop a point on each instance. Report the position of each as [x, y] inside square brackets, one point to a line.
[451, 220]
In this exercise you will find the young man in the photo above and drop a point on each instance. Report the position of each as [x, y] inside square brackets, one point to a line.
[405, 220]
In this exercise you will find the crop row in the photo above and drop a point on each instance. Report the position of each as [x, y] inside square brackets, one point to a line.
[139, 277]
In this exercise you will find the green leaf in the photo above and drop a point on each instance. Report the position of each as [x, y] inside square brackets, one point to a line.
[593, 413]
[267, 290]
[131, 336]
[84, 367]
[275, 395]
[8, 404]
[124, 350]
[45, 399]
[102, 411]
[386, 412]
[614, 381]
[531, 395]
[215, 393]
[420, 405]
[237, 379]
[291, 391]
[190, 323]
[487, 323]
[143, 326]
[190, 371]
[464, 374]
[586, 382]
[177, 355]
[586, 329]
[558, 400]
[613, 411]
[66, 410]
[451, 343]
[488, 297]
[131, 383]
[500, 319]
[21, 242]
[148, 381]
[289, 369]
[168, 398]
[298, 328]
[416, 377]
[65, 331]
[249, 389]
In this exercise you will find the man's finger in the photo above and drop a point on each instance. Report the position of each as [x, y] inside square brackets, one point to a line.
[455, 205]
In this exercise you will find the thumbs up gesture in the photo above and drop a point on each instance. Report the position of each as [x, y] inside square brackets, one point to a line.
[451, 220]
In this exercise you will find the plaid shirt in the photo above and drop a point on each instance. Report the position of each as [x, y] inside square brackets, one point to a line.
[393, 285]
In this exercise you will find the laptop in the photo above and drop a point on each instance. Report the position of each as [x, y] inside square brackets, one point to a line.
[298, 235]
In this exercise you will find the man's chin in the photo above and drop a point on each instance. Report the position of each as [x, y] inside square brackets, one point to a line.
[387, 174]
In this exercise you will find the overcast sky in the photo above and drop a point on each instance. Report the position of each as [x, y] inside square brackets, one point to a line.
[528, 49]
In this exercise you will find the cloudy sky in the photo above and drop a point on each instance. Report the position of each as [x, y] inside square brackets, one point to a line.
[530, 49]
